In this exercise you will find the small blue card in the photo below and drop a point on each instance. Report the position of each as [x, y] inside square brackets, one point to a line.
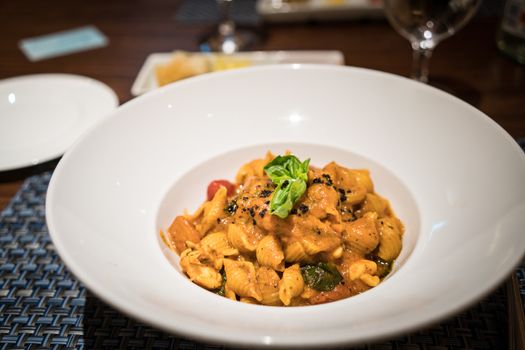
[62, 43]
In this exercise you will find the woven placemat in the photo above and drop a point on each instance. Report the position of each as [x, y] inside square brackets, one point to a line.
[43, 306]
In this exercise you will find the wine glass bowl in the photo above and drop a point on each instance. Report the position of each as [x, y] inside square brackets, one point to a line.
[425, 23]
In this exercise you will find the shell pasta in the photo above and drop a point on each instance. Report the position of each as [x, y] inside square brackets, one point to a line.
[288, 234]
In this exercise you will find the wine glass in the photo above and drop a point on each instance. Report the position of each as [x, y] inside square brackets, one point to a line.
[227, 38]
[425, 23]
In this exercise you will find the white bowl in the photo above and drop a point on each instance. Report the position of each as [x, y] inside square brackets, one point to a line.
[453, 176]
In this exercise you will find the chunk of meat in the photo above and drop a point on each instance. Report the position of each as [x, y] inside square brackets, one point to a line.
[321, 201]
[314, 235]
[362, 235]
[181, 231]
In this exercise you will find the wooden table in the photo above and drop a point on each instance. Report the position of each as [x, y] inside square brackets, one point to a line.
[468, 63]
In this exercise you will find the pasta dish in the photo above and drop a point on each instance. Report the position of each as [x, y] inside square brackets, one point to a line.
[288, 234]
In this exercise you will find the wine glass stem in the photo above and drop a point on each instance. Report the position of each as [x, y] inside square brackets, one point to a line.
[226, 24]
[420, 61]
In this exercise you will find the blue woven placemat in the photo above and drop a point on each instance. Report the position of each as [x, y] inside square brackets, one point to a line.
[43, 306]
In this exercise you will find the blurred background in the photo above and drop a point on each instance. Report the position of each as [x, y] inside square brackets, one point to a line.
[468, 63]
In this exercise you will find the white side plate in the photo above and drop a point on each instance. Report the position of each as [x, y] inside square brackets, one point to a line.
[42, 115]
[319, 10]
[146, 80]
